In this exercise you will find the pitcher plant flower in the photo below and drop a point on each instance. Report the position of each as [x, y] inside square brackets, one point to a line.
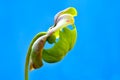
[60, 30]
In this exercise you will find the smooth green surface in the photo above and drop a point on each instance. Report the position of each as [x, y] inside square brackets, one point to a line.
[65, 43]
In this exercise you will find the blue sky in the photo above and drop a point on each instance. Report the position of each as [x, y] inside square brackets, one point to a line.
[96, 55]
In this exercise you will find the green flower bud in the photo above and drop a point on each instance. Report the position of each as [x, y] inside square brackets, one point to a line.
[51, 39]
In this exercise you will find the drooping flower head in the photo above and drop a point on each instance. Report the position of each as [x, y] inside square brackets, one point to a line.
[66, 41]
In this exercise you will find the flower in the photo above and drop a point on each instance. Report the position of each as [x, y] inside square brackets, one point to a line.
[61, 20]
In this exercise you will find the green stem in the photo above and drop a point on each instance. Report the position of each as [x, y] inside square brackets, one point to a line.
[29, 52]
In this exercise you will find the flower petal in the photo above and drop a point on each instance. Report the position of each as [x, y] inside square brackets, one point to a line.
[63, 21]
[70, 10]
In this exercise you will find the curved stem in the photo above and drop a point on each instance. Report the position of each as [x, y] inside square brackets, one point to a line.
[29, 52]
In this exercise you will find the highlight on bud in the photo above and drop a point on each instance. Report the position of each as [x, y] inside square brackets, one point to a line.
[67, 38]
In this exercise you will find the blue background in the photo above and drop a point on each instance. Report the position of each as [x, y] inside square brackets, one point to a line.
[96, 55]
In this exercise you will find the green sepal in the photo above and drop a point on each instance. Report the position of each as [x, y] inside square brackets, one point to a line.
[67, 39]
[51, 39]
[36, 56]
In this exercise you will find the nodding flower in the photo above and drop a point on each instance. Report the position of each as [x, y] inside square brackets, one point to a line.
[61, 20]
[36, 52]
